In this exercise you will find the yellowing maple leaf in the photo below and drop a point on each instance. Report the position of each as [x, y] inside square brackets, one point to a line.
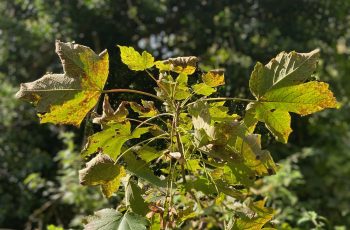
[67, 98]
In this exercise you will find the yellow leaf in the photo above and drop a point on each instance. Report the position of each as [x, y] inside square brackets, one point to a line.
[214, 78]
[134, 60]
[67, 98]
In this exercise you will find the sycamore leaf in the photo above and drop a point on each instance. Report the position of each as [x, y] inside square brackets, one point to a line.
[147, 109]
[219, 112]
[112, 186]
[279, 90]
[261, 215]
[111, 140]
[141, 169]
[284, 70]
[302, 99]
[162, 66]
[99, 170]
[109, 115]
[67, 98]
[203, 89]
[214, 78]
[184, 65]
[146, 153]
[107, 219]
[134, 200]
[274, 107]
[134, 60]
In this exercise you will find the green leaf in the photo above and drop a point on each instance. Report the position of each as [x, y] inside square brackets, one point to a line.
[134, 199]
[107, 219]
[111, 140]
[203, 89]
[302, 99]
[214, 78]
[274, 107]
[99, 170]
[147, 109]
[261, 215]
[109, 115]
[112, 186]
[141, 169]
[134, 60]
[146, 153]
[218, 112]
[284, 70]
[67, 98]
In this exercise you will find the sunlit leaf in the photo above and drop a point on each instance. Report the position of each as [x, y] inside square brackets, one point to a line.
[111, 140]
[67, 98]
[285, 70]
[214, 78]
[134, 60]
[261, 215]
[203, 89]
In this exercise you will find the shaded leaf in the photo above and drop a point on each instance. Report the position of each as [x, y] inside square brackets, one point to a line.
[107, 219]
[141, 169]
[261, 216]
[67, 98]
[112, 186]
[109, 115]
[147, 109]
[134, 60]
[134, 199]
[99, 170]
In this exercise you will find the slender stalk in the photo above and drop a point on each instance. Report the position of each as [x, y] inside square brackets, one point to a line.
[158, 82]
[152, 118]
[224, 99]
[147, 140]
[131, 91]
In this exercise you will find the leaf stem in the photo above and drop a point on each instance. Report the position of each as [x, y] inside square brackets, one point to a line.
[223, 99]
[131, 91]
[152, 118]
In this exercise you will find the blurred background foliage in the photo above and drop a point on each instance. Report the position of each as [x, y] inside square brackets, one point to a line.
[38, 168]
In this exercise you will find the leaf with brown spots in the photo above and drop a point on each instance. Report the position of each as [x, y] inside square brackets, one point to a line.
[214, 78]
[67, 98]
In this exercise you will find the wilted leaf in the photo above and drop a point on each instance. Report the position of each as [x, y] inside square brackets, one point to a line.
[147, 109]
[184, 65]
[107, 219]
[109, 115]
[214, 78]
[111, 140]
[134, 60]
[99, 170]
[67, 98]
